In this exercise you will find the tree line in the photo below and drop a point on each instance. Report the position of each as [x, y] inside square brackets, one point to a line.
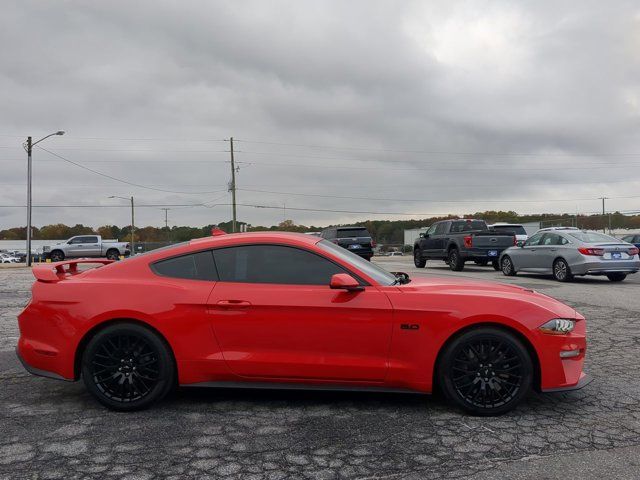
[383, 231]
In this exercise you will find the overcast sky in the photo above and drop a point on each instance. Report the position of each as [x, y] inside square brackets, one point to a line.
[409, 107]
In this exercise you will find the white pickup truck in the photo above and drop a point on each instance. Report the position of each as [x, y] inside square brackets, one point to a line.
[83, 246]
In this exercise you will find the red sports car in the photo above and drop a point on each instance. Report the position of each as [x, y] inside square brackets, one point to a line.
[292, 311]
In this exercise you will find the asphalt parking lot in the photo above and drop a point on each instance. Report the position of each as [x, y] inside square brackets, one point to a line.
[54, 429]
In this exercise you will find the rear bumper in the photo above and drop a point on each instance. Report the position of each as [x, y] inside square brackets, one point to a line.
[483, 254]
[38, 371]
[606, 266]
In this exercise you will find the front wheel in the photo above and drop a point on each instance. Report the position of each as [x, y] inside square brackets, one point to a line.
[485, 371]
[616, 277]
[561, 270]
[418, 261]
[127, 367]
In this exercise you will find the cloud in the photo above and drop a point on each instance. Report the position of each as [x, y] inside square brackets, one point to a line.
[376, 99]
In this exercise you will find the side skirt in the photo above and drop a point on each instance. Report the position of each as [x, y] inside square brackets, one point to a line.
[300, 386]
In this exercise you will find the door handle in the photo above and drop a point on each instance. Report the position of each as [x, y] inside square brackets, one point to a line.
[233, 304]
[552, 249]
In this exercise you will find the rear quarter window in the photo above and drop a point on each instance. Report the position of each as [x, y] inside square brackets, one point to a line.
[193, 266]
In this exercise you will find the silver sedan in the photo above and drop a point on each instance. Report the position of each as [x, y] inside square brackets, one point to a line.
[565, 252]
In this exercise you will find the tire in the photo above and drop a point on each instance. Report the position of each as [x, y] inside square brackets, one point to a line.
[481, 263]
[473, 374]
[561, 270]
[496, 265]
[616, 277]
[128, 367]
[56, 256]
[113, 254]
[418, 261]
[507, 267]
[455, 261]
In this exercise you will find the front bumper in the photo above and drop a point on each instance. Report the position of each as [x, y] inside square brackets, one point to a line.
[584, 381]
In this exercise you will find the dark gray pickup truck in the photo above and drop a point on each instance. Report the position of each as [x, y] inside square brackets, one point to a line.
[457, 241]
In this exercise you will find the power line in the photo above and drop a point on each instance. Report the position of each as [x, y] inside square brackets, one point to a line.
[120, 179]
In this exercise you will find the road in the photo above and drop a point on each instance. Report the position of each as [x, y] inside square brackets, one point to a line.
[54, 429]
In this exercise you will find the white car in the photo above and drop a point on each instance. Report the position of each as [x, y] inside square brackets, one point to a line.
[516, 228]
[7, 258]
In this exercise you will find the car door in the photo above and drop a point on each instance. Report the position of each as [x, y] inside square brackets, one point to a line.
[91, 246]
[275, 317]
[428, 243]
[440, 238]
[525, 258]
[75, 247]
[546, 252]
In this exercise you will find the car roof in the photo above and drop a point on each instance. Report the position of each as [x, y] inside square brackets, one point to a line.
[504, 224]
[551, 229]
[266, 236]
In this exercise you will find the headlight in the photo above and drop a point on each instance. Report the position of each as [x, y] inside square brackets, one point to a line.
[558, 326]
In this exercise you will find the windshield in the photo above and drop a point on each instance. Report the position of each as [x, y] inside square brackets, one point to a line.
[352, 232]
[593, 237]
[379, 274]
[517, 229]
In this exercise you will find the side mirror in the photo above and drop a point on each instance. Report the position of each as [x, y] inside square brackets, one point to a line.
[422, 235]
[344, 281]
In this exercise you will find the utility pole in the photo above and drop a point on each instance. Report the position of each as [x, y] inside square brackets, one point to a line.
[233, 187]
[133, 249]
[604, 230]
[166, 220]
[29, 148]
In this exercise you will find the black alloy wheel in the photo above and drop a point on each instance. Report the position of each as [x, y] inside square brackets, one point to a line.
[127, 367]
[486, 371]
[507, 266]
[418, 261]
[561, 270]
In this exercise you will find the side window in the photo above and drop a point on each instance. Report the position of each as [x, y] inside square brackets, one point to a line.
[90, 240]
[534, 240]
[637, 239]
[440, 228]
[273, 264]
[194, 266]
[550, 239]
[563, 241]
[432, 229]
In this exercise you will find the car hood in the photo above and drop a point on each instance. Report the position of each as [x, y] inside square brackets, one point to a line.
[478, 288]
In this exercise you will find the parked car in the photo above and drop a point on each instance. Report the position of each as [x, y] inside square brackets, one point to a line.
[568, 251]
[515, 228]
[633, 239]
[458, 241]
[21, 256]
[87, 246]
[355, 239]
[8, 258]
[287, 310]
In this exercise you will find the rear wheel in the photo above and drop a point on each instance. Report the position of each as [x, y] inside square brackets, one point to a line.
[127, 367]
[113, 254]
[485, 371]
[455, 260]
[561, 270]
[418, 260]
[57, 256]
[616, 277]
[507, 266]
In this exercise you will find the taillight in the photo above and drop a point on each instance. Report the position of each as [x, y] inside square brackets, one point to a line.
[597, 252]
[633, 251]
[468, 241]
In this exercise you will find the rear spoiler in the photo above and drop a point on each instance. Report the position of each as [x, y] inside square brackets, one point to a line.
[54, 272]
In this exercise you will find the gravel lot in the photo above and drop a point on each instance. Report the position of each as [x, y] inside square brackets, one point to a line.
[54, 429]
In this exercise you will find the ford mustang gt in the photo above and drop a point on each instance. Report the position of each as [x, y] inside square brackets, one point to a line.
[283, 310]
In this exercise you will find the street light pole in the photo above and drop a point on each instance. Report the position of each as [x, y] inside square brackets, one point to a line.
[28, 146]
[132, 243]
